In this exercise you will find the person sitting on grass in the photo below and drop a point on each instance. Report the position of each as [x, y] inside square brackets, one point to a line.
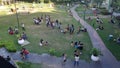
[72, 43]
[83, 29]
[100, 28]
[76, 44]
[16, 30]
[110, 37]
[10, 31]
[24, 36]
[80, 46]
[21, 41]
[64, 31]
[42, 42]
[99, 21]
[68, 27]
[118, 40]
[112, 21]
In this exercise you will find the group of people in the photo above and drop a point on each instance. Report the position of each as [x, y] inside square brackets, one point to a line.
[24, 53]
[78, 45]
[42, 42]
[76, 58]
[99, 22]
[111, 37]
[52, 23]
[69, 29]
[12, 31]
[15, 30]
[38, 20]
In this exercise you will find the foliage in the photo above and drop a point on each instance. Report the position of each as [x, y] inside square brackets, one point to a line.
[109, 29]
[118, 18]
[46, 1]
[95, 52]
[96, 3]
[28, 65]
[104, 12]
[9, 45]
[24, 65]
[52, 51]
[1, 43]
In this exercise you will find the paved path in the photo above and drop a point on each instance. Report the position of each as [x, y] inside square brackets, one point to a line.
[50, 61]
[107, 60]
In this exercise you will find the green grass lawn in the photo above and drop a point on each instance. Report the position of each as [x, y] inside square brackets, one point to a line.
[109, 29]
[28, 65]
[57, 40]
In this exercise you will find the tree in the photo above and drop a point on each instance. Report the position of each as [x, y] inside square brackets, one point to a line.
[96, 3]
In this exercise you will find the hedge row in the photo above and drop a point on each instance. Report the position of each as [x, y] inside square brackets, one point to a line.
[9, 45]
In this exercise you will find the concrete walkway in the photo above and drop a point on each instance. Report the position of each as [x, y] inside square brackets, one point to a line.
[107, 60]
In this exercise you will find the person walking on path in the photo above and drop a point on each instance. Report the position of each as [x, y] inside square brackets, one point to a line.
[64, 58]
[76, 62]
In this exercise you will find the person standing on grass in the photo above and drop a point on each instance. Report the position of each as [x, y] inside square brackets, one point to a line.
[23, 26]
[76, 62]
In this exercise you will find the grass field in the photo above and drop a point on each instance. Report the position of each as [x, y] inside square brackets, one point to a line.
[57, 40]
[109, 28]
[28, 65]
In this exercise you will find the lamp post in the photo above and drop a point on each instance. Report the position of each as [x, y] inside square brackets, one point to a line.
[84, 12]
[16, 14]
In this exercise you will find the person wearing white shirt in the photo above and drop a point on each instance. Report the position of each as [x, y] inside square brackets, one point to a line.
[76, 62]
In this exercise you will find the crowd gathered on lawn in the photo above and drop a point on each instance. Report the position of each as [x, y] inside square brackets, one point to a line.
[56, 24]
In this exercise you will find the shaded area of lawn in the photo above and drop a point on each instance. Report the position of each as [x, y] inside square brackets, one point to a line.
[57, 40]
[28, 65]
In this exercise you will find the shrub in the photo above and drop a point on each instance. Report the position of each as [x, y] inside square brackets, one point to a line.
[52, 51]
[104, 12]
[10, 46]
[46, 1]
[1, 43]
[24, 65]
[95, 52]
[118, 18]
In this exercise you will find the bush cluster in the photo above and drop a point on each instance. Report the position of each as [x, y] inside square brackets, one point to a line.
[52, 51]
[118, 18]
[9, 45]
[104, 11]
